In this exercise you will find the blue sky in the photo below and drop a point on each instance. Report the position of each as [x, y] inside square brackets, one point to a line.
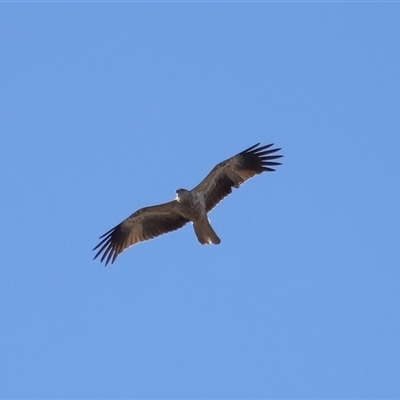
[109, 107]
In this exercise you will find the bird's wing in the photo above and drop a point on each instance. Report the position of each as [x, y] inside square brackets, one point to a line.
[146, 223]
[234, 171]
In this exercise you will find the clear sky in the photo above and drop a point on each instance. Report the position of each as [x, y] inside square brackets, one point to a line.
[110, 107]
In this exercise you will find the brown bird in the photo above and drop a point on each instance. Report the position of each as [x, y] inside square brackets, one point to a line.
[189, 205]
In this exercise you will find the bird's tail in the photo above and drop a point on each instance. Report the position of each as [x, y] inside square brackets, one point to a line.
[205, 233]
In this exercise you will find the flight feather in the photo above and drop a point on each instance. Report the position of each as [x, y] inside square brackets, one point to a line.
[146, 223]
[236, 170]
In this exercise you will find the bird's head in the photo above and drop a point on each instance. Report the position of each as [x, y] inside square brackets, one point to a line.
[181, 193]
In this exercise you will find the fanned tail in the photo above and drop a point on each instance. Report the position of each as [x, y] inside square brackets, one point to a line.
[205, 233]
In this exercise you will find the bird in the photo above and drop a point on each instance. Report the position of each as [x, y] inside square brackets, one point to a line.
[189, 205]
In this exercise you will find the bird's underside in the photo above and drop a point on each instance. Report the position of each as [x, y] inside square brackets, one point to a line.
[189, 205]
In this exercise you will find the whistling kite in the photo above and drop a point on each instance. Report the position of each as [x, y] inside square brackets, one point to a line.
[189, 205]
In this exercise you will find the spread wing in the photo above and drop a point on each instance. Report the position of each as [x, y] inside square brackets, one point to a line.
[146, 223]
[236, 170]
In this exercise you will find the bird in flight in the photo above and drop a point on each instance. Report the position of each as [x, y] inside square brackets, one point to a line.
[189, 205]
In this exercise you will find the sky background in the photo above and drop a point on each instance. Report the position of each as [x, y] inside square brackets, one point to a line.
[110, 107]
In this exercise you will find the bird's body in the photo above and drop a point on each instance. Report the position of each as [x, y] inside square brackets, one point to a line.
[192, 204]
[193, 207]
[189, 205]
